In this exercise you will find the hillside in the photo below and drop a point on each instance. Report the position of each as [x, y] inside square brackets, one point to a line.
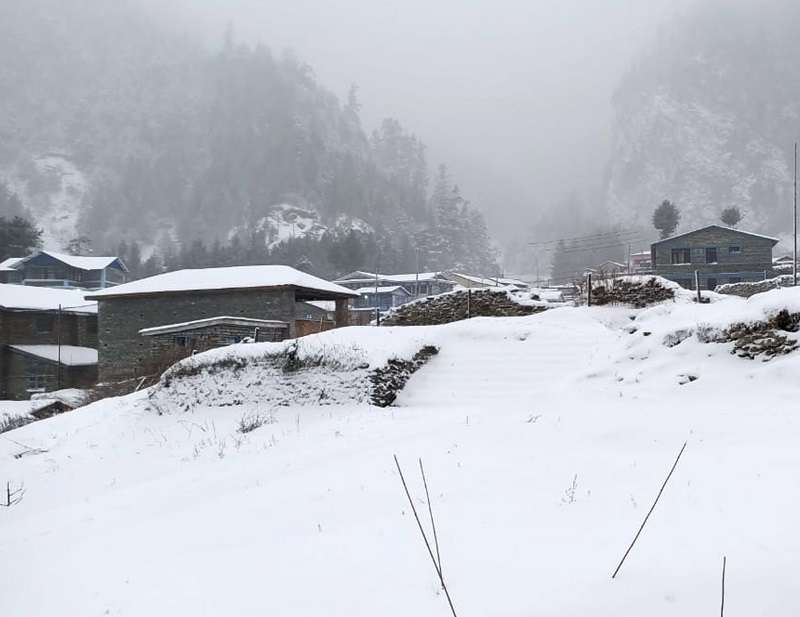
[545, 440]
[115, 128]
[707, 118]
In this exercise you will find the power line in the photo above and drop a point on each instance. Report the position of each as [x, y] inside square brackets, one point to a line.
[597, 236]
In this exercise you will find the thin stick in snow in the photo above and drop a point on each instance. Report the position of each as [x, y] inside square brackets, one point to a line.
[425, 537]
[430, 512]
[722, 603]
[653, 507]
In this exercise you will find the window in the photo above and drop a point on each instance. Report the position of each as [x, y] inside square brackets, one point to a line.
[681, 256]
[180, 341]
[711, 255]
[43, 324]
[734, 250]
[711, 284]
[37, 382]
[232, 340]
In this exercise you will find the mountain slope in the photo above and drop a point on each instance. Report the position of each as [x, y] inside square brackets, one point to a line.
[707, 118]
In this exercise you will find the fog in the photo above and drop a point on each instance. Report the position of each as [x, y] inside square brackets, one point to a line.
[513, 95]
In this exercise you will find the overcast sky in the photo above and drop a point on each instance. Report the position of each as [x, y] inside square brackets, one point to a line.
[512, 94]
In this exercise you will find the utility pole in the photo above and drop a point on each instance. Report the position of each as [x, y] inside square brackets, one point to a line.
[377, 299]
[416, 279]
[794, 260]
[58, 342]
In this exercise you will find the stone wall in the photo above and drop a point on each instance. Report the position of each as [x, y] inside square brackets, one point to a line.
[459, 305]
[123, 353]
[632, 293]
[18, 369]
[745, 290]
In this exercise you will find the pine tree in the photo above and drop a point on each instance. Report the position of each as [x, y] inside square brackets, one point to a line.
[666, 218]
[18, 237]
[731, 216]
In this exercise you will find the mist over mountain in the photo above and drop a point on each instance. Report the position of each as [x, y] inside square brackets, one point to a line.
[707, 118]
[117, 130]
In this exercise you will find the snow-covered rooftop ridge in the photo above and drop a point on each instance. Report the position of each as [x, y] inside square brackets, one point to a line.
[217, 279]
[30, 298]
[68, 355]
[7, 265]
[360, 275]
[490, 282]
[381, 290]
[739, 231]
[81, 262]
[213, 321]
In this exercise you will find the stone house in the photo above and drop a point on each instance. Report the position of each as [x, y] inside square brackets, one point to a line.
[48, 340]
[129, 313]
[719, 254]
[50, 269]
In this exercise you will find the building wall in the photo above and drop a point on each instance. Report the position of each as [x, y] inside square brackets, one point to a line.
[123, 353]
[20, 372]
[24, 328]
[752, 263]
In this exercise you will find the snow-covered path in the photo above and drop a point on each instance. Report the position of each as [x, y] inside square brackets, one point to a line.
[518, 366]
[545, 440]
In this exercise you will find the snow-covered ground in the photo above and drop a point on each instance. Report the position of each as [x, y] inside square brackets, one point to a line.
[545, 440]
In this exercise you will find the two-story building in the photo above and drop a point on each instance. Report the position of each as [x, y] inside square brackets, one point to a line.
[50, 269]
[718, 254]
[48, 340]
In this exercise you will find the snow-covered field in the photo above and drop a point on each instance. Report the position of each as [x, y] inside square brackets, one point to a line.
[545, 440]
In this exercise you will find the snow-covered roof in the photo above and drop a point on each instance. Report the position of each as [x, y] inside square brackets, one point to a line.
[360, 276]
[69, 355]
[325, 305]
[489, 282]
[24, 408]
[213, 321]
[81, 262]
[381, 290]
[738, 231]
[7, 265]
[220, 279]
[30, 298]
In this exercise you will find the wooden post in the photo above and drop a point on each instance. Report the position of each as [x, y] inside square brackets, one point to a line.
[589, 289]
[697, 285]
[469, 303]
[58, 340]
[722, 603]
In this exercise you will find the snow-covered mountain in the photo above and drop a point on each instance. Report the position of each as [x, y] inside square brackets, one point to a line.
[707, 119]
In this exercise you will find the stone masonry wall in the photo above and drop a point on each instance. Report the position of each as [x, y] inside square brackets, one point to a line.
[454, 306]
[745, 290]
[123, 353]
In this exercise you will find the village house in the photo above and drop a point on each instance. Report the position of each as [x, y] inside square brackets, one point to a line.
[48, 340]
[49, 269]
[641, 263]
[471, 281]
[417, 284]
[381, 298]
[145, 322]
[719, 255]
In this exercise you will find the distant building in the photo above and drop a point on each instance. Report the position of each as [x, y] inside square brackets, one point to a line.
[417, 284]
[719, 255]
[48, 340]
[641, 263]
[609, 269]
[471, 281]
[49, 269]
[382, 298]
[143, 322]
